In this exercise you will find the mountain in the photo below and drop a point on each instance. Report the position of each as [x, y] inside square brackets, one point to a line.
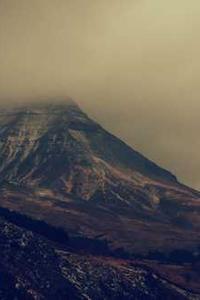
[72, 140]
[62, 169]
[59, 165]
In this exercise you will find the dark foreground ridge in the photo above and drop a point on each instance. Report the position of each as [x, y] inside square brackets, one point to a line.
[97, 247]
[33, 267]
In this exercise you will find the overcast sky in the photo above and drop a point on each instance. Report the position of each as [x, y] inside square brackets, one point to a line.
[132, 64]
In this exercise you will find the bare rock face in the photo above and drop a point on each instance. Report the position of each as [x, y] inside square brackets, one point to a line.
[58, 165]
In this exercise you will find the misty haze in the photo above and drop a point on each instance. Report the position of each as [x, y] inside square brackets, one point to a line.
[99, 150]
[133, 65]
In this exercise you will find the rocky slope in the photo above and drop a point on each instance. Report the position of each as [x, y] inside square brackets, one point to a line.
[33, 267]
[29, 267]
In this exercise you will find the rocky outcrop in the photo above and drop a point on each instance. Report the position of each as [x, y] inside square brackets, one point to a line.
[29, 267]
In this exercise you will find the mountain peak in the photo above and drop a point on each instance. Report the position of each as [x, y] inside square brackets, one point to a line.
[51, 103]
[59, 136]
[45, 105]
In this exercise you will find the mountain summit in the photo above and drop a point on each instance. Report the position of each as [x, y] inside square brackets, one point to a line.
[58, 165]
[44, 145]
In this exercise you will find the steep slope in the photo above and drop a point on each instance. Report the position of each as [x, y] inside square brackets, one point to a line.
[58, 165]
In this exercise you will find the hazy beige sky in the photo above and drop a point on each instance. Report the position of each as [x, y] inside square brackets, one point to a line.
[132, 64]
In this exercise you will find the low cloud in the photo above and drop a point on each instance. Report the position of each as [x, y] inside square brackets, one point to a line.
[133, 65]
